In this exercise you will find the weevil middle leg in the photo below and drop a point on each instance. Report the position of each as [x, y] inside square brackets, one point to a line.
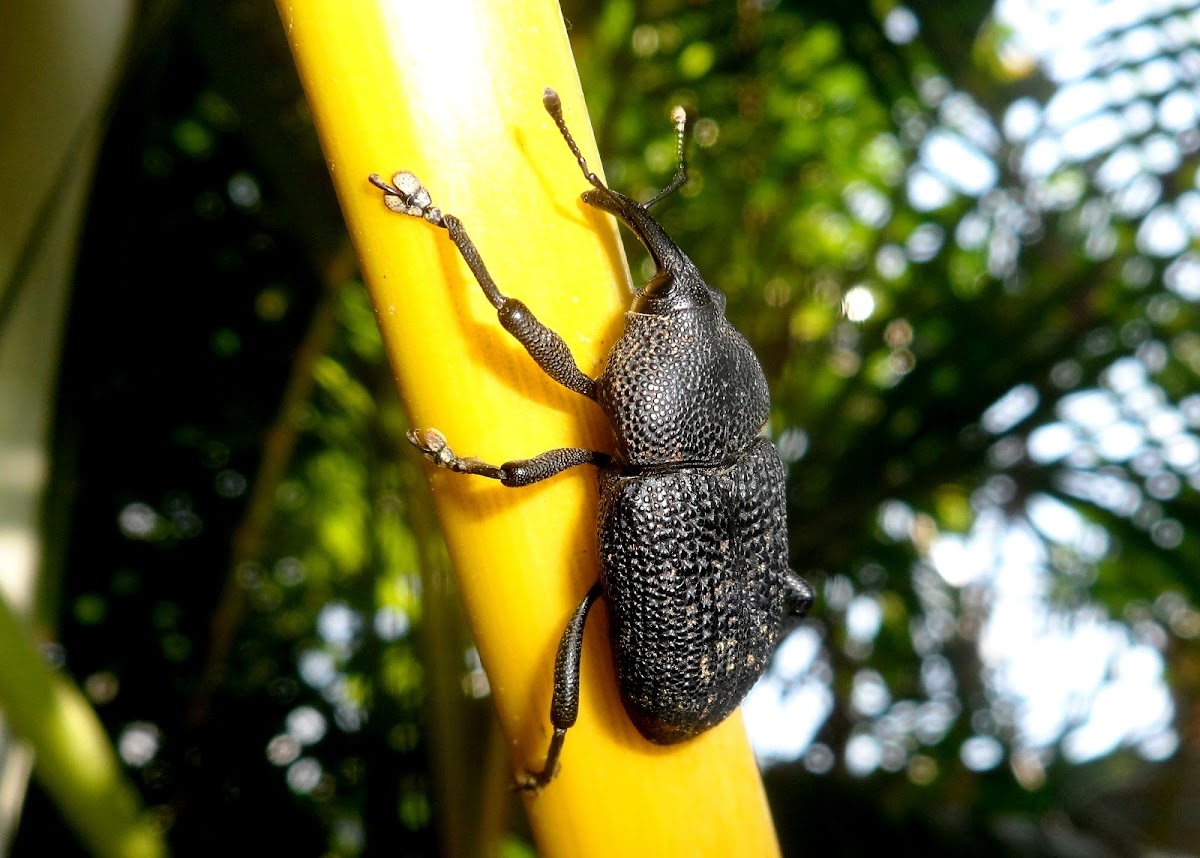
[514, 473]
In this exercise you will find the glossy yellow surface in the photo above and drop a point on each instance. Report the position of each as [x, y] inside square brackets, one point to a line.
[451, 90]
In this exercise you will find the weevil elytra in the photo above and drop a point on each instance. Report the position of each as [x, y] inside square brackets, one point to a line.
[692, 525]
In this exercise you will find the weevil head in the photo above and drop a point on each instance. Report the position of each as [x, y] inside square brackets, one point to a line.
[676, 284]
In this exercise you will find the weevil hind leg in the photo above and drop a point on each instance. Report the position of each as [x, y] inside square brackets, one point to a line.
[797, 595]
[514, 473]
[564, 705]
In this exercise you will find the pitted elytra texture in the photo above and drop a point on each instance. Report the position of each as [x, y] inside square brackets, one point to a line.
[692, 526]
[694, 585]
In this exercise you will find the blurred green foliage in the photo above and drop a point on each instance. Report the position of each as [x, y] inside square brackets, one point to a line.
[329, 701]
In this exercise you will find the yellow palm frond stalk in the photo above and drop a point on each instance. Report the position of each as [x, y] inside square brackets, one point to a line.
[452, 91]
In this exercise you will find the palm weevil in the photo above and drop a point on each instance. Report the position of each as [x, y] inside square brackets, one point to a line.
[692, 524]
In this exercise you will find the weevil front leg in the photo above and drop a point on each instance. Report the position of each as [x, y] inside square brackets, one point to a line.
[514, 473]
[564, 705]
[407, 195]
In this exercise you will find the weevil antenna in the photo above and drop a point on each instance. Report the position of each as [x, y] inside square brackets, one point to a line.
[679, 117]
[554, 107]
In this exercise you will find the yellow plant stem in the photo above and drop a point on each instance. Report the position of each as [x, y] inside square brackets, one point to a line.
[452, 91]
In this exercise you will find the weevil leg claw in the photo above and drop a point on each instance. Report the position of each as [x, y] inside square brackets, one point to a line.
[406, 195]
[531, 782]
[434, 446]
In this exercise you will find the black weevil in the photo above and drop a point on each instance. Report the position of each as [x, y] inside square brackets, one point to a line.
[692, 524]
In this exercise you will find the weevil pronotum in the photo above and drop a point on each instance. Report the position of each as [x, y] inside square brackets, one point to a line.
[692, 524]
